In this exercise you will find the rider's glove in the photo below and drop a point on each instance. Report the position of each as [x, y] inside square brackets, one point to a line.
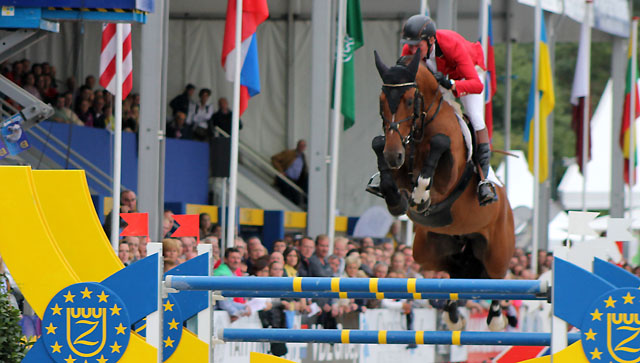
[443, 80]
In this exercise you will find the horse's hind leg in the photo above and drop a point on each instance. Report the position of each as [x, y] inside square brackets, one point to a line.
[452, 317]
[397, 202]
[495, 319]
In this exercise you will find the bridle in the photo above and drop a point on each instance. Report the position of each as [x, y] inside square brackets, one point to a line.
[417, 133]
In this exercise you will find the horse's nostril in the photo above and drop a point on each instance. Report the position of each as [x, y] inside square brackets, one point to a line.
[399, 157]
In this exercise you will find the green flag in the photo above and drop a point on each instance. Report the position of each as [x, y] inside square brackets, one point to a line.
[353, 40]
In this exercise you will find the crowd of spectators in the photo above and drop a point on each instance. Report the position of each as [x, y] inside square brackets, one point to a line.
[305, 256]
[90, 105]
[84, 105]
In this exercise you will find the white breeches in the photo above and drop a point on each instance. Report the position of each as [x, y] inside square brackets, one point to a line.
[474, 105]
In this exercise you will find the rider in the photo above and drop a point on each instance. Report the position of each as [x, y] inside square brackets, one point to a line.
[457, 65]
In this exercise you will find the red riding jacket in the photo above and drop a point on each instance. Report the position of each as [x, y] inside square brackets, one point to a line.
[457, 58]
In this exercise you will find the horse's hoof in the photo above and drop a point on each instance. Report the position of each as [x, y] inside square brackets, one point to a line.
[498, 323]
[397, 210]
[495, 319]
[459, 325]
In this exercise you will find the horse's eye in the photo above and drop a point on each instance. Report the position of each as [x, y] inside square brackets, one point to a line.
[409, 101]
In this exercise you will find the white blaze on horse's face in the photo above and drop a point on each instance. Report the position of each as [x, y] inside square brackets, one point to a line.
[394, 147]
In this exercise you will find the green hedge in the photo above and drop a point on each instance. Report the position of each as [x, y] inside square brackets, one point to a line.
[12, 346]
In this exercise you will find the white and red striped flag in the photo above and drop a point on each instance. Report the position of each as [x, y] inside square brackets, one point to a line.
[108, 59]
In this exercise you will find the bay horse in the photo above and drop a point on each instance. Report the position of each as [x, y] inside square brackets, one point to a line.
[426, 172]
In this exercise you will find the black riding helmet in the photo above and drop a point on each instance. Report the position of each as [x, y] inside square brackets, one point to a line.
[417, 28]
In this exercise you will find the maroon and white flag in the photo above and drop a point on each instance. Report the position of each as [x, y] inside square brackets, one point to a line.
[108, 59]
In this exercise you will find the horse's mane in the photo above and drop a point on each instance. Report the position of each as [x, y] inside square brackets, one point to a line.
[447, 94]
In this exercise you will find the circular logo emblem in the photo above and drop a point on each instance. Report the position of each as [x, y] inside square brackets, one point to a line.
[86, 320]
[611, 328]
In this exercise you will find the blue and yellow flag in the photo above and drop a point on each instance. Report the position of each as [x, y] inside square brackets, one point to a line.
[547, 102]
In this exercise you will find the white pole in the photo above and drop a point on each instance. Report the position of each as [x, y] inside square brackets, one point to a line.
[205, 317]
[484, 40]
[484, 31]
[117, 144]
[335, 124]
[424, 7]
[536, 138]
[587, 99]
[154, 320]
[235, 122]
[558, 326]
[222, 217]
[632, 121]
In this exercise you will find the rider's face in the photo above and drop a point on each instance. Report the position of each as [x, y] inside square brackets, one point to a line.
[423, 46]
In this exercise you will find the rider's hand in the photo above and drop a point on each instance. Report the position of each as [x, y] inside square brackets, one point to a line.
[443, 80]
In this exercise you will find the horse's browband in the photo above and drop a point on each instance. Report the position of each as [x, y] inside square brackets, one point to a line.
[399, 84]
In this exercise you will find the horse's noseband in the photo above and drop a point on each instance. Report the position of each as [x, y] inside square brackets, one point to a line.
[416, 133]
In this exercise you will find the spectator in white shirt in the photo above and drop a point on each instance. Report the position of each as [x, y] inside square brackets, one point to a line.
[199, 115]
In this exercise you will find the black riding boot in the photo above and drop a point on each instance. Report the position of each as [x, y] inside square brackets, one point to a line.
[486, 191]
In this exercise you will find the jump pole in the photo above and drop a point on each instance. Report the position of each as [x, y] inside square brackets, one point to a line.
[379, 295]
[389, 337]
[371, 285]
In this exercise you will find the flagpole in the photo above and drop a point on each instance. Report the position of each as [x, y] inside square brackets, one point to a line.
[335, 123]
[632, 115]
[424, 7]
[235, 122]
[585, 111]
[484, 41]
[117, 144]
[484, 35]
[536, 137]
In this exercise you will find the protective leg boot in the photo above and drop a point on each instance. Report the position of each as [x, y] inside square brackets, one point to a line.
[486, 191]
[373, 186]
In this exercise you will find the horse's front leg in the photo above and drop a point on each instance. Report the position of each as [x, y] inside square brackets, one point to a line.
[396, 202]
[420, 196]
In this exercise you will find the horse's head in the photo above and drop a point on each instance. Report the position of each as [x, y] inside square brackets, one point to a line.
[400, 106]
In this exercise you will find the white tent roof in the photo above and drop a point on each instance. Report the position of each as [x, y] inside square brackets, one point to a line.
[598, 168]
[520, 188]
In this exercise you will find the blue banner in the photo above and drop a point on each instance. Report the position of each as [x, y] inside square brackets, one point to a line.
[14, 137]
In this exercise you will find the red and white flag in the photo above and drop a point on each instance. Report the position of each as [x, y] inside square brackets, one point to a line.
[579, 93]
[108, 59]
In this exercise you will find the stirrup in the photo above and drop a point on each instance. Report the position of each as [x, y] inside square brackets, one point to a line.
[489, 198]
[373, 186]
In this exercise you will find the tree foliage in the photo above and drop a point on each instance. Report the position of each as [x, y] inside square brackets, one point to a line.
[12, 346]
[564, 62]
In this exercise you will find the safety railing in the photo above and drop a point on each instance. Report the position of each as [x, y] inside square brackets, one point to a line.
[259, 160]
[94, 173]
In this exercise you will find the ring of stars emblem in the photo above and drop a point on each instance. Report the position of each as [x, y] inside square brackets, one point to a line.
[86, 322]
[610, 327]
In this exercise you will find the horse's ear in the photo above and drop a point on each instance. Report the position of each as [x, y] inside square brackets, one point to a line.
[415, 62]
[382, 68]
